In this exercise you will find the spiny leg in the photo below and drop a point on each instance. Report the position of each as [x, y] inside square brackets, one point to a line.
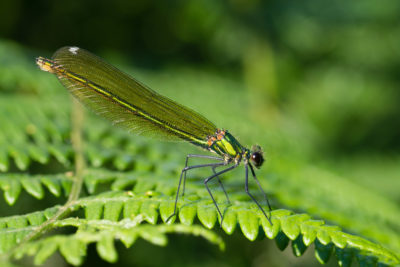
[261, 189]
[180, 180]
[209, 191]
[196, 156]
[246, 187]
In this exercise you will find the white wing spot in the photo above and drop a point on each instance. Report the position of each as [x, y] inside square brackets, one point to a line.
[73, 50]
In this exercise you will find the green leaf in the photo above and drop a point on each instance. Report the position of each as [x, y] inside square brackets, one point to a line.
[17, 222]
[105, 248]
[50, 212]
[4, 164]
[7, 240]
[167, 209]
[282, 241]
[322, 251]
[365, 261]
[123, 183]
[149, 210]
[73, 250]
[122, 162]
[323, 235]
[143, 185]
[131, 208]
[39, 154]
[36, 218]
[290, 226]
[298, 246]
[98, 157]
[112, 210]
[344, 256]
[60, 153]
[45, 251]
[53, 185]
[11, 188]
[309, 230]
[66, 185]
[21, 158]
[33, 187]
[230, 222]
[207, 214]
[154, 236]
[249, 224]
[94, 211]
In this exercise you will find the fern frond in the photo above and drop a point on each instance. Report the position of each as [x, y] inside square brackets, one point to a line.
[35, 139]
[32, 134]
[13, 183]
[41, 133]
[103, 233]
[113, 211]
[150, 198]
[336, 199]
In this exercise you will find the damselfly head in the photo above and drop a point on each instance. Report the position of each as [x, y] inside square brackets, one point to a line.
[256, 156]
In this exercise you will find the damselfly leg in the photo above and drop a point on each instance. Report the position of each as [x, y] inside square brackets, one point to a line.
[222, 186]
[213, 169]
[184, 170]
[246, 187]
[261, 189]
[209, 191]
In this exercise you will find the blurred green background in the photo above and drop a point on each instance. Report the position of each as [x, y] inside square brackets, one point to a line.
[317, 81]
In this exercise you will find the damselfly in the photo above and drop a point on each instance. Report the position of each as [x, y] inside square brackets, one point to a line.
[126, 102]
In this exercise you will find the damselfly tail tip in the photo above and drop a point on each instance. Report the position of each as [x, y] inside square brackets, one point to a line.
[45, 64]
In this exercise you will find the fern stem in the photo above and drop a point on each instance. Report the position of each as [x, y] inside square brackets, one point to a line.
[77, 144]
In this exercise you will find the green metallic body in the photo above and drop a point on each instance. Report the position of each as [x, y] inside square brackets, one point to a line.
[227, 146]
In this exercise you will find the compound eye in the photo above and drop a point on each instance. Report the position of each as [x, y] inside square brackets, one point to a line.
[257, 159]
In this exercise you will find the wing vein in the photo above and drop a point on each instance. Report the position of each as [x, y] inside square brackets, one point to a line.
[125, 101]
